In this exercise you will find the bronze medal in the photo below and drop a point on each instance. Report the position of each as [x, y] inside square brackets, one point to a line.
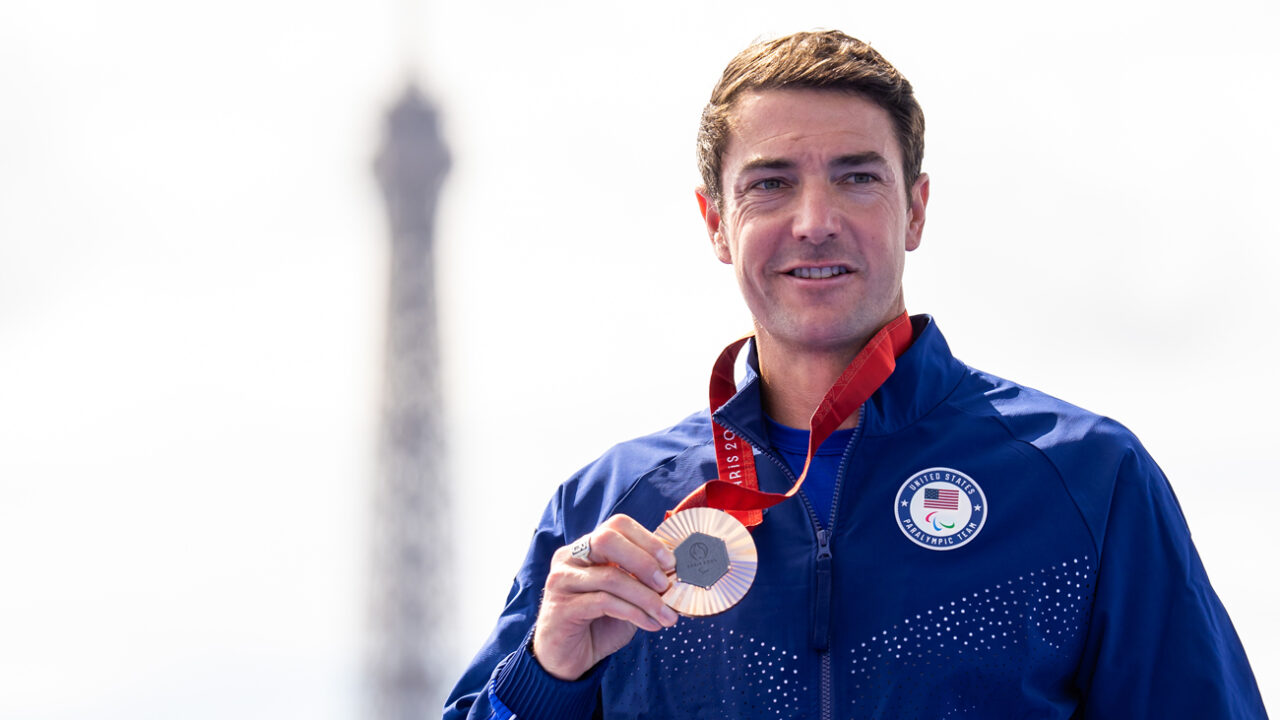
[715, 561]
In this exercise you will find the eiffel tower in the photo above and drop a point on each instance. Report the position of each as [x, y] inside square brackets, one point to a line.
[411, 591]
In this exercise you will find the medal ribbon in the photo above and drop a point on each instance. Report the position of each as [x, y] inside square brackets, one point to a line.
[736, 489]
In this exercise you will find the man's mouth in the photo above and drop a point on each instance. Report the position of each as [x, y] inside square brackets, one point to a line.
[817, 273]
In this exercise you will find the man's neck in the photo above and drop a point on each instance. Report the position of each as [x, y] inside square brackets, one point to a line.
[796, 380]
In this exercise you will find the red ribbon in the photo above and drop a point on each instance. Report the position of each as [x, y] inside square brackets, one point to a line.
[737, 490]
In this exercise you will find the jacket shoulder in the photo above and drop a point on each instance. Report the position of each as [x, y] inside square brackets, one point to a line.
[1089, 452]
[1038, 418]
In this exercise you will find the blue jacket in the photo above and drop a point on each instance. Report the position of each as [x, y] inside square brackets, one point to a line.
[1076, 593]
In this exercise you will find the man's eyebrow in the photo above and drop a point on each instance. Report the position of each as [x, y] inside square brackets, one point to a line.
[865, 158]
[870, 157]
[767, 163]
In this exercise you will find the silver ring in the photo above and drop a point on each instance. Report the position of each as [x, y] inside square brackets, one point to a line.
[581, 550]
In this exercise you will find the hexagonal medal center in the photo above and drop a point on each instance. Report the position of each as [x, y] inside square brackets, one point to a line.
[701, 560]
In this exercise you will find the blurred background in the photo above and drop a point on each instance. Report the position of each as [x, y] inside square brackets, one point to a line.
[197, 300]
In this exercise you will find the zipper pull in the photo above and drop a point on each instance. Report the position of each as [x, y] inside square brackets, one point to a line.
[820, 624]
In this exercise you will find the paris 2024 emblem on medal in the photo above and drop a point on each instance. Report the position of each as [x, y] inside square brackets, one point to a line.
[715, 561]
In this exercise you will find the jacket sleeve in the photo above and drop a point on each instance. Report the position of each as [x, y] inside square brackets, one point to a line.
[1160, 644]
[504, 680]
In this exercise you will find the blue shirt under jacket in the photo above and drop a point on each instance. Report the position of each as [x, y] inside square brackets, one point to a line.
[994, 553]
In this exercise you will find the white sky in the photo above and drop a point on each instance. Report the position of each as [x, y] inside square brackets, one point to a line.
[192, 259]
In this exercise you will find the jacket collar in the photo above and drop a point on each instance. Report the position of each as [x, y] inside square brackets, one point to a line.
[924, 376]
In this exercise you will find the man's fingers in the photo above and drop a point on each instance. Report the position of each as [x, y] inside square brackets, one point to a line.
[618, 583]
[645, 540]
[623, 542]
[602, 604]
[615, 550]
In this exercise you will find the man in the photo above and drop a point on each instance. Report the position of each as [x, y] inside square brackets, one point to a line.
[961, 546]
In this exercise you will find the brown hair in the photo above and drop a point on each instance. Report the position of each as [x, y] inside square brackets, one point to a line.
[825, 60]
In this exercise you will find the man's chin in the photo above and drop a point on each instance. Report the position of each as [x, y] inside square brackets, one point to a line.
[823, 335]
[822, 340]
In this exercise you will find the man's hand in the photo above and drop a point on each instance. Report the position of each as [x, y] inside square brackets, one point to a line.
[591, 607]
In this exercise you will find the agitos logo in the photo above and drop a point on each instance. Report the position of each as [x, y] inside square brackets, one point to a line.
[940, 508]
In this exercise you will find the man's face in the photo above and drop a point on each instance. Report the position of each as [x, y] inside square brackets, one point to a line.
[814, 216]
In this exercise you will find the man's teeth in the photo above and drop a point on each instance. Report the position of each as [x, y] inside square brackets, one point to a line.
[818, 272]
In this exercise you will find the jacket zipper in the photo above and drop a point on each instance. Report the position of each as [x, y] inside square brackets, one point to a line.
[822, 624]
[819, 637]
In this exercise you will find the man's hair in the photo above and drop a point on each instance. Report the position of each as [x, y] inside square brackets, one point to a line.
[823, 60]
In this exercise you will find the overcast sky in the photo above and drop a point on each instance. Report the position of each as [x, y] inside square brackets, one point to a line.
[193, 262]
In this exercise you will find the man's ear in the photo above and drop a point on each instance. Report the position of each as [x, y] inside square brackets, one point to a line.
[915, 214]
[711, 217]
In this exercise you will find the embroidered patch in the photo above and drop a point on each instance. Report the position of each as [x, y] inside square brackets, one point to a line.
[940, 508]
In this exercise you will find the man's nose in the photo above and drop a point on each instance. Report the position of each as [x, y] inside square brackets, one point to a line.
[816, 219]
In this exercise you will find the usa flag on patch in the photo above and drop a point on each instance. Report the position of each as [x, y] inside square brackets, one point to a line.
[942, 498]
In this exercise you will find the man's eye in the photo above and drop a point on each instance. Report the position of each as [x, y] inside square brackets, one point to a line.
[768, 184]
[860, 178]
